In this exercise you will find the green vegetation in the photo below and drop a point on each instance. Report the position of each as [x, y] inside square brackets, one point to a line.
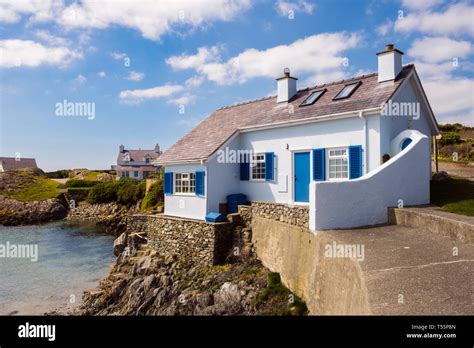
[456, 139]
[276, 291]
[154, 196]
[130, 193]
[455, 196]
[81, 183]
[125, 191]
[58, 174]
[38, 189]
[450, 138]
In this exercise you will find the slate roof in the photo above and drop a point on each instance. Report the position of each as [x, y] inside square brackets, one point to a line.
[138, 155]
[10, 163]
[209, 135]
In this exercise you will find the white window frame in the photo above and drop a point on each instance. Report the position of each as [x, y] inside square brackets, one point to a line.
[254, 162]
[137, 173]
[191, 178]
[328, 158]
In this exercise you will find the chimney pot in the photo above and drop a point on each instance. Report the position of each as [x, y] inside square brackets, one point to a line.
[389, 47]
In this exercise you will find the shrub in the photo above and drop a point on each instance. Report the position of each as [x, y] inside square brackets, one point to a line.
[154, 195]
[103, 193]
[451, 127]
[130, 193]
[58, 174]
[81, 183]
[450, 138]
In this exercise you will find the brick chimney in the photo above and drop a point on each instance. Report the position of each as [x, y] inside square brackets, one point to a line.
[286, 86]
[389, 63]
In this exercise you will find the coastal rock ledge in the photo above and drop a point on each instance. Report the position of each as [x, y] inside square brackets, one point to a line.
[13, 212]
[142, 282]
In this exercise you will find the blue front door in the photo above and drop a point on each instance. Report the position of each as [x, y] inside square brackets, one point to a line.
[301, 177]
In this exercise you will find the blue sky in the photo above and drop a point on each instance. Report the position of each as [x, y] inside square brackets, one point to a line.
[154, 69]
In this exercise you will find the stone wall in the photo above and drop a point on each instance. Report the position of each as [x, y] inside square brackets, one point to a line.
[193, 240]
[296, 215]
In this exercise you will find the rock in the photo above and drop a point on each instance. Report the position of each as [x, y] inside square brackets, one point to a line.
[228, 295]
[119, 244]
[440, 177]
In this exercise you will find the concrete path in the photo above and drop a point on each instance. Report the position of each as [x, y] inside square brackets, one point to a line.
[411, 271]
[457, 169]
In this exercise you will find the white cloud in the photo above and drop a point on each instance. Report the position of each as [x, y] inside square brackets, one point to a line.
[194, 81]
[80, 79]
[152, 18]
[437, 49]
[420, 4]
[101, 74]
[317, 54]
[51, 39]
[284, 7]
[452, 99]
[456, 20]
[183, 100]
[138, 95]
[28, 53]
[135, 76]
[37, 10]
[384, 28]
[118, 55]
[203, 56]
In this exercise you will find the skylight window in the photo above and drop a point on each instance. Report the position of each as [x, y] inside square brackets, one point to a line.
[311, 99]
[347, 91]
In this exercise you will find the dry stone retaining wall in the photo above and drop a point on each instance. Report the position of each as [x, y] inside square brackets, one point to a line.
[193, 240]
[293, 215]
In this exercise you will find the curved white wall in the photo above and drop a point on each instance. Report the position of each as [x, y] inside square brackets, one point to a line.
[364, 201]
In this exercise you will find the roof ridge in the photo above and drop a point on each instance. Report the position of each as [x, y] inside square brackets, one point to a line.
[307, 88]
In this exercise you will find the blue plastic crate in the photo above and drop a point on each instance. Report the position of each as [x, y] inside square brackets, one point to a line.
[215, 217]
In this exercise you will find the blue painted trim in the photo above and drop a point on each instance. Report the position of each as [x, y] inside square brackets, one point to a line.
[319, 164]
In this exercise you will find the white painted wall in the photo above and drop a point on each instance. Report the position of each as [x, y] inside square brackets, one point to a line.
[186, 205]
[391, 126]
[364, 201]
[223, 177]
[334, 133]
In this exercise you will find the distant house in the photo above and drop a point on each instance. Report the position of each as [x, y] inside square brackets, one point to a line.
[136, 164]
[347, 150]
[12, 163]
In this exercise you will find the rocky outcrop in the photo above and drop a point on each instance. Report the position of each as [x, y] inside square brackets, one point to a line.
[110, 216]
[13, 212]
[143, 282]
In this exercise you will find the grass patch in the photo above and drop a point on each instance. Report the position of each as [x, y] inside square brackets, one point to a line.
[455, 196]
[39, 190]
[277, 292]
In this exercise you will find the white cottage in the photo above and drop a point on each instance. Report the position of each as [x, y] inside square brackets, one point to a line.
[347, 149]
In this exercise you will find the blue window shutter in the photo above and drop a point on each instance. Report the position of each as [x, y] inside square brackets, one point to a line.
[355, 161]
[319, 164]
[200, 183]
[168, 186]
[269, 156]
[244, 168]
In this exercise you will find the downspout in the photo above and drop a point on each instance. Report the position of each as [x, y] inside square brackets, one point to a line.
[364, 147]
